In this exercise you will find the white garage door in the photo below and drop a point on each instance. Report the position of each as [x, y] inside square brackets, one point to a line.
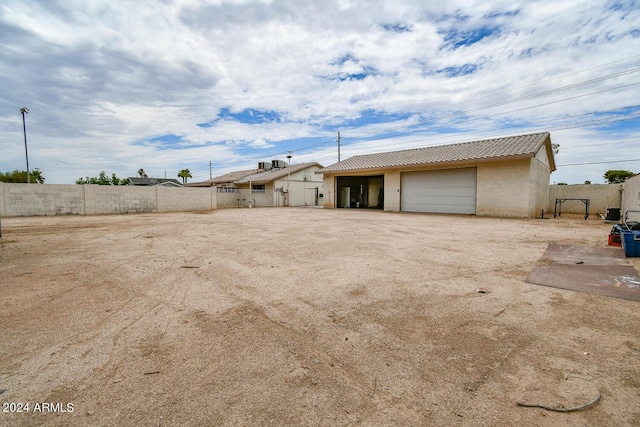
[442, 191]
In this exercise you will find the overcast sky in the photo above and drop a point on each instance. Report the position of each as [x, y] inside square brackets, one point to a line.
[172, 84]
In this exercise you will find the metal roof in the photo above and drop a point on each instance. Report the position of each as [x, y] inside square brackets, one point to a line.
[273, 174]
[228, 177]
[511, 147]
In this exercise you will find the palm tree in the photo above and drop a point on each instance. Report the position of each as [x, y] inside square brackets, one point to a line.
[184, 174]
[142, 173]
[36, 175]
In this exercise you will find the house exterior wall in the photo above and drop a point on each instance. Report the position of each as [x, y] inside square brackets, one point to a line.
[329, 190]
[601, 197]
[539, 186]
[504, 188]
[301, 186]
[631, 197]
[89, 199]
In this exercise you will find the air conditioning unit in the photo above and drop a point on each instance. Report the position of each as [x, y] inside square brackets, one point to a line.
[278, 164]
[264, 165]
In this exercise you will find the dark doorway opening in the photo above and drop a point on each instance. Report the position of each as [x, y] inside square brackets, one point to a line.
[360, 192]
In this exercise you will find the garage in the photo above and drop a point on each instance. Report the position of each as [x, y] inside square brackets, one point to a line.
[507, 177]
[439, 191]
[364, 192]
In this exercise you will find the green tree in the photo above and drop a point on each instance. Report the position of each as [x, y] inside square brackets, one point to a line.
[587, 182]
[36, 176]
[617, 176]
[21, 176]
[142, 173]
[118, 181]
[184, 174]
[103, 179]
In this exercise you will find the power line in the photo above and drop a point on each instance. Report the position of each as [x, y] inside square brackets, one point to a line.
[530, 126]
[591, 81]
[467, 121]
[600, 163]
[603, 121]
[507, 102]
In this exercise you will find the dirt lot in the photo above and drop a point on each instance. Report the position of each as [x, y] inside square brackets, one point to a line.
[306, 317]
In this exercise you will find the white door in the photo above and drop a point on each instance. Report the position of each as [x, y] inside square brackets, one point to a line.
[345, 197]
[441, 191]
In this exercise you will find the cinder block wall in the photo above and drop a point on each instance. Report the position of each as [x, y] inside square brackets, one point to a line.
[125, 199]
[54, 199]
[173, 199]
[38, 199]
[601, 197]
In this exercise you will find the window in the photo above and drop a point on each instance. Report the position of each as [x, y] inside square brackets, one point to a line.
[227, 190]
[258, 188]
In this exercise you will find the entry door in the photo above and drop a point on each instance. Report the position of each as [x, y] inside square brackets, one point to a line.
[442, 191]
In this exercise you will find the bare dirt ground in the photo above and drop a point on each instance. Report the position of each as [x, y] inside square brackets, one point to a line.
[306, 317]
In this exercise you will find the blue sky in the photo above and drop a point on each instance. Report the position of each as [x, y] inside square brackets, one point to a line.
[118, 86]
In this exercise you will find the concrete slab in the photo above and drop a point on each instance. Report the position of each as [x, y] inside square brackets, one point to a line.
[598, 270]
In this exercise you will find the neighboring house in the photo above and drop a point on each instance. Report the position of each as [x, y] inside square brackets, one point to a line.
[496, 177]
[631, 198]
[226, 180]
[272, 184]
[150, 182]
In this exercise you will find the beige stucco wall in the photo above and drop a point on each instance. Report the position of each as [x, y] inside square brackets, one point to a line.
[504, 188]
[509, 188]
[540, 175]
[631, 197]
[329, 191]
[601, 197]
[301, 186]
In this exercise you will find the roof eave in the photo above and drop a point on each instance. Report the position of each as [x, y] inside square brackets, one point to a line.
[429, 164]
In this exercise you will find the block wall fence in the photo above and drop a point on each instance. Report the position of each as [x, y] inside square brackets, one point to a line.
[90, 199]
[601, 197]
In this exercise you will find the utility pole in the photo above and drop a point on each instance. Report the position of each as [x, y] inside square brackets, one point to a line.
[210, 176]
[289, 159]
[23, 111]
[289, 179]
[338, 145]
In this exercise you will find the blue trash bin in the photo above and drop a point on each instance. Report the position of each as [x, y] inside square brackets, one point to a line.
[630, 243]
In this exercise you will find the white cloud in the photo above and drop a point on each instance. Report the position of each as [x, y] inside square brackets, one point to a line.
[101, 77]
